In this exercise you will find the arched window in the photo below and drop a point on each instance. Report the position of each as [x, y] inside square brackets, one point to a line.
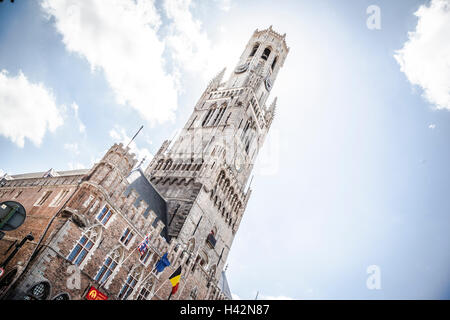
[266, 54]
[274, 63]
[255, 48]
[108, 267]
[130, 283]
[39, 291]
[145, 290]
[83, 247]
[62, 296]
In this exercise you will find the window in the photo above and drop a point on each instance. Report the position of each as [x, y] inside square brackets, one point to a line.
[82, 248]
[145, 256]
[145, 291]
[43, 198]
[266, 54]
[88, 201]
[18, 195]
[58, 199]
[104, 215]
[274, 63]
[129, 285]
[108, 268]
[39, 291]
[62, 296]
[127, 236]
[255, 47]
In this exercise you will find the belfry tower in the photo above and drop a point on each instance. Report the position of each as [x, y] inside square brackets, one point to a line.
[203, 173]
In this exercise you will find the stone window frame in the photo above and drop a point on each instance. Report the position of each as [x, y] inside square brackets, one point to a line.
[110, 218]
[46, 293]
[130, 240]
[61, 294]
[43, 198]
[148, 256]
[59, 198]
[146, 289]
[118, 259]
[135, 274]
[98, 234]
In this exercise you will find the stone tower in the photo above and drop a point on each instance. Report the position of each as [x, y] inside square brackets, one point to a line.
[203, 173]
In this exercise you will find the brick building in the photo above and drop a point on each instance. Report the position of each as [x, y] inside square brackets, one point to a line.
[189, 201]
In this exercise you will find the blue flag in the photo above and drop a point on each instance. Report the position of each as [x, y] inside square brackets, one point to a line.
[162, 263]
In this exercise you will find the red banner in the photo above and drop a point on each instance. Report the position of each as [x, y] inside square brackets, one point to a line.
[94, 294]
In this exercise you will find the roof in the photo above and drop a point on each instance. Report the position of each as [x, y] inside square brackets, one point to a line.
[223, 286]
[34, 175]
[147, 192]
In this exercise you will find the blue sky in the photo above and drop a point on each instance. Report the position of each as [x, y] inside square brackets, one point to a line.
[358, 153]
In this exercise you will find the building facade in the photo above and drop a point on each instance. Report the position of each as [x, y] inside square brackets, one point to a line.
[189, 201]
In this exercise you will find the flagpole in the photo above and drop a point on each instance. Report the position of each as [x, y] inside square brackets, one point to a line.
[135, 135]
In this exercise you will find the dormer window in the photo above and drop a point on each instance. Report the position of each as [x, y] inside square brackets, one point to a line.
[266, 54]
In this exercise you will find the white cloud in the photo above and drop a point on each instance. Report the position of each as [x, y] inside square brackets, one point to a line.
[425, 57]
[27, 109]
[432, 126]
[72, 147]
[190, 46]
[81, 125]
[119, 37]
[119, 134]
[235, 296]
[224, 5]
[75, 166]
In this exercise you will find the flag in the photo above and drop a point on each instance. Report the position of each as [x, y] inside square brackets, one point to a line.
[175, 280]
[143, 246]
[162, 263]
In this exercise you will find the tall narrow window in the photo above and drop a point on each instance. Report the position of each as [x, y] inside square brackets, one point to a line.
[127, 236]
[129, 285]
[104, 215]
[266, 54]
[274, 63]
[108, 268]
[83, 247]
[58, 199]
[255, 47]
[44, 198]
[145, 291]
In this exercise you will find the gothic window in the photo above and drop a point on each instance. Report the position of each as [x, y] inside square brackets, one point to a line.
[193, 293]
[255, 48]
[159, 165]
[126, 236]
[108, 267]
[208, 116]
[88, 201]
[266, 54]
[145, 291]
[130, 283]
[39, 291]
[104, 215]
[62, 296]
[274, 63]
[83, 247]
[58, 199]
